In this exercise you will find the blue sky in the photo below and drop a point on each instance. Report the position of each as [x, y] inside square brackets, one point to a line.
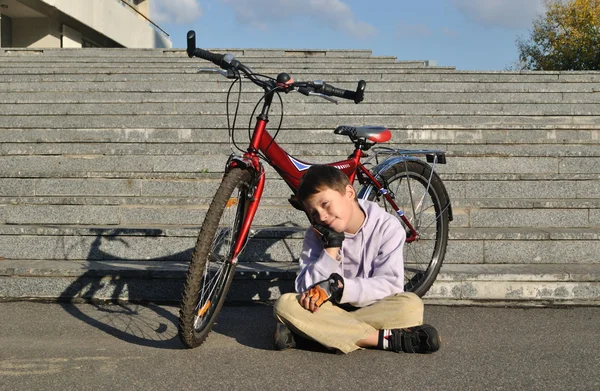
[468, 34]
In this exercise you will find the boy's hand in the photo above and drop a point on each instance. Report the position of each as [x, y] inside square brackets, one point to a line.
[321, 292]
[329, 237]
[316, 296]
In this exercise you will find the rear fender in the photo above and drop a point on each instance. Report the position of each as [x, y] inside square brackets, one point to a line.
[382, 167]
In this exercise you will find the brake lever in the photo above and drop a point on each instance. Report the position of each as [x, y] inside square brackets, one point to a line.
[228, 73]
[326, 97]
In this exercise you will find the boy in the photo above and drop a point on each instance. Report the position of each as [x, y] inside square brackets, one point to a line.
[351, 280]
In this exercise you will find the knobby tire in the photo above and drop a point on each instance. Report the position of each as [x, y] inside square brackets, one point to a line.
[211, 271]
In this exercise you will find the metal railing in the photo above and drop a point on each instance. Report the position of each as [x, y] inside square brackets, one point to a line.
[145, 17]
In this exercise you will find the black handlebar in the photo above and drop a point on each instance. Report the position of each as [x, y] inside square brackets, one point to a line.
[192, 51]
[191, 43]
[216, 59]
[219, 60]
[357, 96]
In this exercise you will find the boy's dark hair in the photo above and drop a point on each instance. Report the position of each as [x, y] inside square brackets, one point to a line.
[320, 177]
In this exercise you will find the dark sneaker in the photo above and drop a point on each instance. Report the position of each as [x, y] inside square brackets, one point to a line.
[418, 339]
[284, 339]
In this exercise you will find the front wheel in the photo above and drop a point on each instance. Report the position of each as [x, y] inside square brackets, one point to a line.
[211, 268]
[422, 199]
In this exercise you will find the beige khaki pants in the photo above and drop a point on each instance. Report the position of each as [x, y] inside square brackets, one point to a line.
[339, 329]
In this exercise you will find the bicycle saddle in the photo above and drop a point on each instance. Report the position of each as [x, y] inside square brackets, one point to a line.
[377, 134]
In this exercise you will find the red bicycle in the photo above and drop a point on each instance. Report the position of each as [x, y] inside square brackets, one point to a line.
[400, 182]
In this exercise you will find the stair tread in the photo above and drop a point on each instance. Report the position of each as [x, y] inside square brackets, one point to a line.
[265, 270]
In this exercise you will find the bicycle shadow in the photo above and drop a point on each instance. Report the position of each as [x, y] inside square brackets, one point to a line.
[133, 287]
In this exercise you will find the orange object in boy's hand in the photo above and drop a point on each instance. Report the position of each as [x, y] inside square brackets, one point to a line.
[321, 292]
[313, 298]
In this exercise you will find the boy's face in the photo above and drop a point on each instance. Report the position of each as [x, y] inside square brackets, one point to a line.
[331, 208]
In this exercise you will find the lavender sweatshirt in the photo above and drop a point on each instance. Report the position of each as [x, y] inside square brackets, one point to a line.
[372, 264]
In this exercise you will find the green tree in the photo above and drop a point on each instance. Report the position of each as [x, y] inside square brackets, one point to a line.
[567, 37]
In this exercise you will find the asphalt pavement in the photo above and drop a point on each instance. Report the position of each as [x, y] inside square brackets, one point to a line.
[50, 346]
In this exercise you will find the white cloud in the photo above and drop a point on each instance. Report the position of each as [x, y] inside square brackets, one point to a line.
[175, 11]
[332, 13]
[511, 14]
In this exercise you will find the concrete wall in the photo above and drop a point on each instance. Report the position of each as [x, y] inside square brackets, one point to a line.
[119, 22]
[5, 31]
[36, 33]
[143, 6]
[71, 38]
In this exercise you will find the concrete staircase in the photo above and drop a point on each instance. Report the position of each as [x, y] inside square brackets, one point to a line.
[109, 158]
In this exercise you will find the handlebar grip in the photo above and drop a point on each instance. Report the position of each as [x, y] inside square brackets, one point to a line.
[357, 96]
[192, 51]
[216, 59]
[191, 43]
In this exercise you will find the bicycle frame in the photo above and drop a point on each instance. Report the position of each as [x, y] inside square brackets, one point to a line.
[291, 170]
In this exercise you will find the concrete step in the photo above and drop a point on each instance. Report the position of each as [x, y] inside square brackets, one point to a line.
[208, 175]
[110, 235]
[295, 143]
[135, 215]
[541, 284]
[527, 193]
[210, 84]
[330, 76]
[191, 68]
[273, 67]
[406, 121]
[183, 193]
[26, 65]
[79, 180]
[79, 97]
[168, 61]
[180, 56]
[162, 60]
[205, 175]
[82, 165]
[310, 108]
[157, 244]
[555, 138]
[162, 53]
[475, 189]
[162, 242]
[340, 75]
[258, 65]
[177, 201]
[483, 214]
[473, 194]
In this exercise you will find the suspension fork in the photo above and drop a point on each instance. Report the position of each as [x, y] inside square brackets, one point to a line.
[251, 161]
[411, 234]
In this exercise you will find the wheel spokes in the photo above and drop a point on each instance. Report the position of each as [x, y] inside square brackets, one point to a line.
[414, 200]
[218, 259]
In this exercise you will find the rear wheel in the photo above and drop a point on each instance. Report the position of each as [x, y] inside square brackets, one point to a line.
[211, 271]
[425, 204]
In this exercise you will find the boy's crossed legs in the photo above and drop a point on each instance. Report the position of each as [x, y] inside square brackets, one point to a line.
[336, 328]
